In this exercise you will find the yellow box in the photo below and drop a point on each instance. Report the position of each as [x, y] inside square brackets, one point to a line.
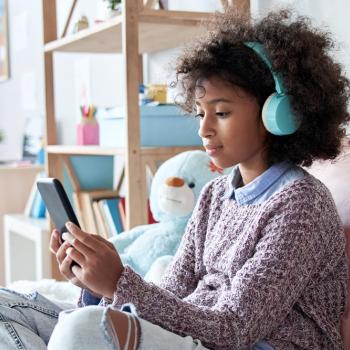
[157, 92]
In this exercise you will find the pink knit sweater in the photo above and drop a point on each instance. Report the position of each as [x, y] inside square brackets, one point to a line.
[273, 271]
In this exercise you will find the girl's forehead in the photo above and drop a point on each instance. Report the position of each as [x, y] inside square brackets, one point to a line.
[217, 90]
[213, 81]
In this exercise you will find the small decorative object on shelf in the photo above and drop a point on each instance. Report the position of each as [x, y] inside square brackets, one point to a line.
[88, 129]
[152, 93]
[2, 135]
[40, 157]
[157, 92]
[163, 4]
[114, 8]
[143, 99]
[81, 24]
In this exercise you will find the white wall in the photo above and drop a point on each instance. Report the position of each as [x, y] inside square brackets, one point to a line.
[102, 73]
[331, 16]
[21, 96]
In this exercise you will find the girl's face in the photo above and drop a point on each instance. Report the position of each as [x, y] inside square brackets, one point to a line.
[230, 125]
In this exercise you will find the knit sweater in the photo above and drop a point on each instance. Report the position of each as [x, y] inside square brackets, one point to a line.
[274, 271]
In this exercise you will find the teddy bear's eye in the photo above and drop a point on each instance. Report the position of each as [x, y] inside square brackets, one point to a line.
[191, 185]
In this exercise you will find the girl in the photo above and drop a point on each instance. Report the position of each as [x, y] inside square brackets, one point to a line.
[262, 262]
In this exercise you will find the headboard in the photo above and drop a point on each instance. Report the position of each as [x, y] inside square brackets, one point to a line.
[336, 176]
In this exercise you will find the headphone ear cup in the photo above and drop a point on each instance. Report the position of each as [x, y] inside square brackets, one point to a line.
[277, 115]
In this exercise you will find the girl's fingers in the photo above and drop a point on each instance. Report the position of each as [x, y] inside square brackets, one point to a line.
[65, 268]
[76, 256]
[89, 240]
[55, 241]
[78, 272]
[105, 241]
[61, 252]
[78, 245]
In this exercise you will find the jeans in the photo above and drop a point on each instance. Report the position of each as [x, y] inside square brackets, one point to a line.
[27, 320]
[30, 321]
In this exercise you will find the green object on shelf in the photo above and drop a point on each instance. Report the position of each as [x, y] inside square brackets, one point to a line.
[2, 135]
[112, 4]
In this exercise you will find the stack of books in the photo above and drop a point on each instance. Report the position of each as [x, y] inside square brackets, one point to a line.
[102, 212]
[110, 215]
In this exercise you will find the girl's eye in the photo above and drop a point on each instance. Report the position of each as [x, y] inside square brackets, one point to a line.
[199, 115]
[222, 114]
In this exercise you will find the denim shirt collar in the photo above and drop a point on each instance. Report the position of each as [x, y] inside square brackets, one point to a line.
[249, 192]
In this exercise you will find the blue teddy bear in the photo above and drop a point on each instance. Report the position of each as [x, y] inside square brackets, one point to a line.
[174, 192]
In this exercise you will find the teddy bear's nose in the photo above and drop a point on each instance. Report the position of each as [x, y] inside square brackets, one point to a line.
[174, 181]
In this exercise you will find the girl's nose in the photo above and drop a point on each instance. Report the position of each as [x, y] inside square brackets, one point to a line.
[206, 127]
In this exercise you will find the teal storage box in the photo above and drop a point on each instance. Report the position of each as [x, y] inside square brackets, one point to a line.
[161, 126]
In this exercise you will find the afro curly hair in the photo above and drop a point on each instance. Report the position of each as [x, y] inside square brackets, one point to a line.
[300, 53]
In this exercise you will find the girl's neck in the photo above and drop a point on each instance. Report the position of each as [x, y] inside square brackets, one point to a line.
[250, 172]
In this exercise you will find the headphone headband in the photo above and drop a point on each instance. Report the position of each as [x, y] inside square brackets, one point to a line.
[260, 50]
[277, 113]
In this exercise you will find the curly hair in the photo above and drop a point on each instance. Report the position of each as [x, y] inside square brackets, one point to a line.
[300, 53]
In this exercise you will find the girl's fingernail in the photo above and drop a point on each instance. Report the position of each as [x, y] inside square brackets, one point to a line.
[69, 251]
[67, 236]
[69, 225]
[64, 235]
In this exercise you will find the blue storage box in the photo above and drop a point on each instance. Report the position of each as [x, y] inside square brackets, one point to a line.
[163, 125]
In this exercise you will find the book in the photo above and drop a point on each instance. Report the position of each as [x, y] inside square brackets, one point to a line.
[87, 213]
[122, 212]
[111, 210]
[35, 206]
[151, 219]
[100, 220]
[31, 198]
[104, 218]
[38, 209]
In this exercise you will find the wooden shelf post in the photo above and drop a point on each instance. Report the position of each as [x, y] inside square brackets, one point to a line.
[50, 34]
[52, 163]
[136, 198]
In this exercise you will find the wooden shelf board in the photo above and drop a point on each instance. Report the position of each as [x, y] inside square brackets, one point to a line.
[84, 150]
[110, 151]
[158, 151]
[19, 167]
[158, 30]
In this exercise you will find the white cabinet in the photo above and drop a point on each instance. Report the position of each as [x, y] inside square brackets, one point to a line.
[26, 242]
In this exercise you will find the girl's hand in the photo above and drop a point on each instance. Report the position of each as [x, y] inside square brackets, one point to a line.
[64, 262]
[99, 265]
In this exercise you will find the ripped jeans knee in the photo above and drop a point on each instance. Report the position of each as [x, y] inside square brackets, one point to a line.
[86, 328]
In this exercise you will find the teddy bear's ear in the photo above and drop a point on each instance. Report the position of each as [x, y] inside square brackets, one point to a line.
[214, 168]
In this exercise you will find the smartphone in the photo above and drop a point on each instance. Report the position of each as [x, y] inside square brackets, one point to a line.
[57, 203]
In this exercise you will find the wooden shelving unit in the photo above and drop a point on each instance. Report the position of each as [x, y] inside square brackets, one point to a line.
[158, 30]
[138, 29]
[111, 151]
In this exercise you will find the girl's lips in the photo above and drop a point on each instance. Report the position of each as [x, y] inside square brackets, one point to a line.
[212, 150]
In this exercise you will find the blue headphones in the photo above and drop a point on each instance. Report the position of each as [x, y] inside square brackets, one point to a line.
[277, 114]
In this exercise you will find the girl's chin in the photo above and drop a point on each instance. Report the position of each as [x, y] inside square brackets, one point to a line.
[221, 163]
